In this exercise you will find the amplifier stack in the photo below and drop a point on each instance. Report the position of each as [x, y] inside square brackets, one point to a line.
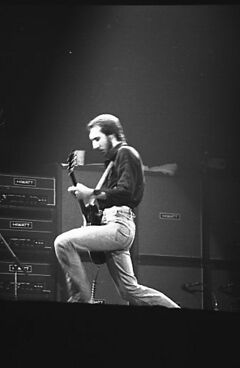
[27, 232]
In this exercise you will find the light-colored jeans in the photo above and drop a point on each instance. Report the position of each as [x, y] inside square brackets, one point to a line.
[114, 237]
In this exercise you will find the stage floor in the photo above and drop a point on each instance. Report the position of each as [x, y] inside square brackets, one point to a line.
[63, 333]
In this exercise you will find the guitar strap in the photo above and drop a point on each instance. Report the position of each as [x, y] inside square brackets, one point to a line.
[106, 172]
[104, 175]
[102, 180]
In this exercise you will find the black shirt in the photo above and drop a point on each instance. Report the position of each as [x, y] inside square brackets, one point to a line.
[124, 184]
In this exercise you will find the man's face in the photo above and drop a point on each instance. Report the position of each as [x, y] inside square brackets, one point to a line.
[100, 141]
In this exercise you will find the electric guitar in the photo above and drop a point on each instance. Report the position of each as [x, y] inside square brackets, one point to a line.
[91, 213]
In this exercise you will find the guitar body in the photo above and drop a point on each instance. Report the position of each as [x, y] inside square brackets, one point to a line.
[93, 215]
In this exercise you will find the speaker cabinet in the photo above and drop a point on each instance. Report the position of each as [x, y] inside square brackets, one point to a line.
[169, 221]
[177, 282]
[223, 211]
[69, 217]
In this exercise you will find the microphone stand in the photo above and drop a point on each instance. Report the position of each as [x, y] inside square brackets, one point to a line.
[16, 266]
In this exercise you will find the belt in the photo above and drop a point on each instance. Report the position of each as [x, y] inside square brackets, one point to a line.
[118, 209]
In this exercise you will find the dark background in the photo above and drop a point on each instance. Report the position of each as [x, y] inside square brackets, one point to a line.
[170, 73]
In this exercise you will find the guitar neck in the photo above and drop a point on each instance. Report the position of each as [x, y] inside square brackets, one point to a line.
[73, 178]
[80, 201]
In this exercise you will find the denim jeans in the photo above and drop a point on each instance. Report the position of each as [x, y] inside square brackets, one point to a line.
[114, 237]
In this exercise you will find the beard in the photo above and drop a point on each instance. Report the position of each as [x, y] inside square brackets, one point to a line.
[109, 146]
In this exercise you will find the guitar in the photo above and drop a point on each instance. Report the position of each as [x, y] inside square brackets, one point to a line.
[91, 213]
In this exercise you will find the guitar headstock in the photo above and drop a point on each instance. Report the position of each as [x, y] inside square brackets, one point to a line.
[71, 164]
[71, 161]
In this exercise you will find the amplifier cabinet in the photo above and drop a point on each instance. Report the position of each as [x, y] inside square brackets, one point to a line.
[169, 217]
[223, 216]
[28, 229]
[168, 246]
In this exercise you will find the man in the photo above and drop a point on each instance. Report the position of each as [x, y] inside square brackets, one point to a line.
[121, 192]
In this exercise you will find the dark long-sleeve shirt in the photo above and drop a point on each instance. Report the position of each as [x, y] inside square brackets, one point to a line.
[125, 182]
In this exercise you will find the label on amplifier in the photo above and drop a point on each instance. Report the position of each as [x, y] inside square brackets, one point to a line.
[21, 224]
[28, 225]
[26, 182]
[98, 301]
[169, 216]
[30, 267]
[11, 180]
[16, 268]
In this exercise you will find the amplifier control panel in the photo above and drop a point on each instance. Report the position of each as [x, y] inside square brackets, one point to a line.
[27, 191]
